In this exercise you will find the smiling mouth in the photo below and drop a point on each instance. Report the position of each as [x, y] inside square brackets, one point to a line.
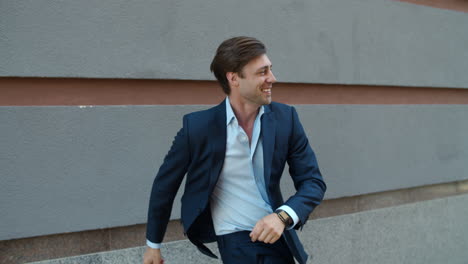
[266, 90]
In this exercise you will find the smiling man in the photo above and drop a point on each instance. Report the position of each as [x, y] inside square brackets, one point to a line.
[233, 155]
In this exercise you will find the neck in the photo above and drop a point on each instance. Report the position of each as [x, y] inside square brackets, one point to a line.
[244, 111]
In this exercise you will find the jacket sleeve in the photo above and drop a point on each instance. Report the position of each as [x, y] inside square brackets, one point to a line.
[166, 185]
[304, 170]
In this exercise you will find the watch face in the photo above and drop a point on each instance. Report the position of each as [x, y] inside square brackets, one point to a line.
[285, 216]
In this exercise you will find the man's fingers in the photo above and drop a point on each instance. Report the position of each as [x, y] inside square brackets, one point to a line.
[271, 238]
[267, 229]
[152, 256]
[254, 234]
[263, 235]
[268, 238]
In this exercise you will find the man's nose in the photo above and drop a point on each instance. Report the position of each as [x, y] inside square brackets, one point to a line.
[272, 78]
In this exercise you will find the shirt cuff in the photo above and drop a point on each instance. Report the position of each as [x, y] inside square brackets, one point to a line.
[154, 245]
[291, 213]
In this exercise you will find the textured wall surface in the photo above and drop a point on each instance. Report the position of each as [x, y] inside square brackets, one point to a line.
[430, 232]
[58, 164]
[334, 41]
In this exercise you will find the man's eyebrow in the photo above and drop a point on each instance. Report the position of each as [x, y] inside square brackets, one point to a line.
[265, 67]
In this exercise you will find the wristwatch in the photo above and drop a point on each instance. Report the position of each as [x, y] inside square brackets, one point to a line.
[284, 217]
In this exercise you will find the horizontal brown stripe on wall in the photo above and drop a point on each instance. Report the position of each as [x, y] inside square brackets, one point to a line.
[75, 91]
[457, 5]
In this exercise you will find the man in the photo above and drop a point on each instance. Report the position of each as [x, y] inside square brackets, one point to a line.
[234, 155]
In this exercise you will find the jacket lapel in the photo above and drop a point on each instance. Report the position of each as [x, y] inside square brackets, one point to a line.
[268, 141]
[218, 143]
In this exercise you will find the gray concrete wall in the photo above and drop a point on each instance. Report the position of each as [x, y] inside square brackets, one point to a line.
[59, 164]
[430, 232]
[336, 41]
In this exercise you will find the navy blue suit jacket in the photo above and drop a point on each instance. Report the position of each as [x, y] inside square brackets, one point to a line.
[198, 151]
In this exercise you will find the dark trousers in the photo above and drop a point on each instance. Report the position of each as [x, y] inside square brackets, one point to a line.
[237, 248]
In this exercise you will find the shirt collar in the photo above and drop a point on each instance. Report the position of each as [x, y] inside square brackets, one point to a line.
[230, 113]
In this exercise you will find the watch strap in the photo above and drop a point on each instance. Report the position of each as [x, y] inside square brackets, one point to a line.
[284, 217]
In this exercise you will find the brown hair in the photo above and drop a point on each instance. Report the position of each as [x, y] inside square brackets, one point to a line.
[232, 55]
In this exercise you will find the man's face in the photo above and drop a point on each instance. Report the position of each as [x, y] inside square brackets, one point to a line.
[257, 79]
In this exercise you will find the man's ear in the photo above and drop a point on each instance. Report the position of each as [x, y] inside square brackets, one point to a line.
[232, 78]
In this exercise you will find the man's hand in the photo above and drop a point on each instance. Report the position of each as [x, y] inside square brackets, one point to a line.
[152, 256]
[268, 229]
